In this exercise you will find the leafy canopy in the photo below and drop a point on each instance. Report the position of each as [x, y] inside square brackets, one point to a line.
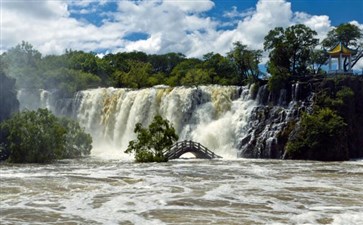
[152, 141]
[319, 137]
[290, 52]
[351, 36]
[40, 137]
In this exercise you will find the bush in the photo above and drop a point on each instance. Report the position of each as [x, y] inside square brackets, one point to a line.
[152, 141]
[40, 137]
[320, 137]
[77, 142]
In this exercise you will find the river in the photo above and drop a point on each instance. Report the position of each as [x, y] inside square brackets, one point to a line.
[244, 191]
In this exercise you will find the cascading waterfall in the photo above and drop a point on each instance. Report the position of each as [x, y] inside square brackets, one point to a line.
[223, 118]
[215, 116]
[34, 99]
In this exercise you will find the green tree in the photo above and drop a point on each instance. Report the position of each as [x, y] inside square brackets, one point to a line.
[223, 70]
[181, 70]
[40, 137]
[78, 143]
[165, 63]
[351, 36]
[290, 49]
[69, 81]
[317, 59]
[23, 65]
[33, 137]
[152, 141]
[319, 137]
[137, 75]
[246, 61]
[198, 77]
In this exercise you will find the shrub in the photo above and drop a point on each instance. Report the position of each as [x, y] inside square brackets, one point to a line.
[152, 141]
[40, 137]
[320, 137]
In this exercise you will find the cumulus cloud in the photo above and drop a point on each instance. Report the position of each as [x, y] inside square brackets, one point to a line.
[170, 26]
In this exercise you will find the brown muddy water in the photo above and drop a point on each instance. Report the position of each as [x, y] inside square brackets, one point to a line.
[98, 191]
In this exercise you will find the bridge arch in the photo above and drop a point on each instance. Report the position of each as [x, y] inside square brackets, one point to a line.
[195, 148]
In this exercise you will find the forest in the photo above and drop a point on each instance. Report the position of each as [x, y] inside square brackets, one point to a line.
[294, 51]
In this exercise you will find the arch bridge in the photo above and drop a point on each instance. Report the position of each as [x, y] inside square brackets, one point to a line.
[197, 149]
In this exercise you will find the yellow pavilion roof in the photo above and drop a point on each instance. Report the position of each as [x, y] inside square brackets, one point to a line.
[340, 49]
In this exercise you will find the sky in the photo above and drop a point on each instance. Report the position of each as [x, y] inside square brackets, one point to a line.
[192, 27]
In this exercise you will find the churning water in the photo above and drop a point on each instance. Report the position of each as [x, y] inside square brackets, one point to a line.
[108, 188]
[98, 191]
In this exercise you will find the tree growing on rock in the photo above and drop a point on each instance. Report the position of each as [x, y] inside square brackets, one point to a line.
[290, 52]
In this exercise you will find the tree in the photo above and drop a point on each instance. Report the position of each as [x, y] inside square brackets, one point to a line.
[318, 58]
[320, 137]
[290, 49]
[69, 81]
[152, 141]
[198, 77]
[136, 77]
[78, 143]
[33, 137]
[40, 137]
[165, 63]
[351, 36]
[223, 70]
[181, 70]
[23, 65]
[246, 61]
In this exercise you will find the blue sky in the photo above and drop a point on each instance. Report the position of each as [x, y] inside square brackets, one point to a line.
[160, 26]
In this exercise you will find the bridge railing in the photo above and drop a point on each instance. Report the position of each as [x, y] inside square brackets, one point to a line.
[181, 146]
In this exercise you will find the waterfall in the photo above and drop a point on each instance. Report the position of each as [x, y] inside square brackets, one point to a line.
[225, 119]
[215, 116]
[34, 99]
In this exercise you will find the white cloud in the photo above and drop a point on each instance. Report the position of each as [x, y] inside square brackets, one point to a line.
[190, 5]
[171, 26]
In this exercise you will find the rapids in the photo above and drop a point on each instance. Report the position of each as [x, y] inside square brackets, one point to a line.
[245, 191]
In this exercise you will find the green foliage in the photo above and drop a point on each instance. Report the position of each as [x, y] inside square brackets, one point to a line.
[23, 64]
[152, 141]
[290, 49]
[246, 61]
[78, 143]
[351, 36]
[197, 77]
[336, 101]
[69, 81]
[279, 79]
[319, 137]
[180, 71]
[34, 137]
[40, 137]
[137, 75]
[317, 59]
[347, 33]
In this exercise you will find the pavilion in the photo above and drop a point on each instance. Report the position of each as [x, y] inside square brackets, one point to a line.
[341, 52]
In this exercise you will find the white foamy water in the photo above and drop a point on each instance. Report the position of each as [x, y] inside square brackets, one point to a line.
[215, 116]
[95, 191]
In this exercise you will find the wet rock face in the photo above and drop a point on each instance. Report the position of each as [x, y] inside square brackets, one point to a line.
[269, 122]
[275, 120]
[266, 138]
